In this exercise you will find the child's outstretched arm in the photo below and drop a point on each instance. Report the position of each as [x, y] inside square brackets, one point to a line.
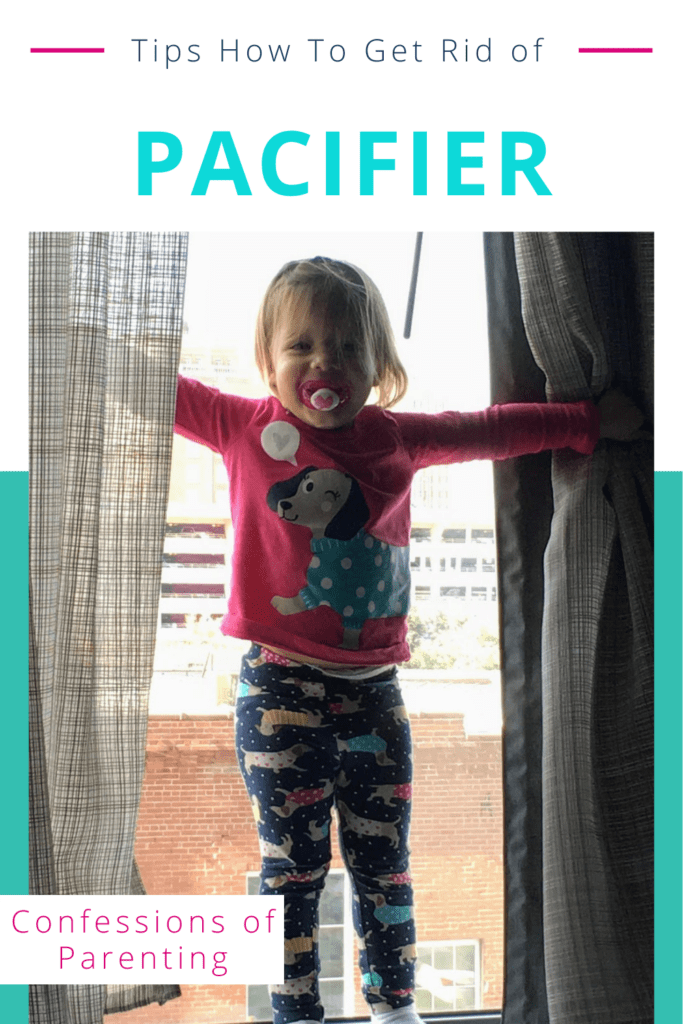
[512, 429]
[207, 415]
[499, 432]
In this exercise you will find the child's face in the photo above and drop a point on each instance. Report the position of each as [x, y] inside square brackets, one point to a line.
[303, 351]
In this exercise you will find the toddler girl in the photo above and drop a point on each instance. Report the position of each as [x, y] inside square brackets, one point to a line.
[320, 500]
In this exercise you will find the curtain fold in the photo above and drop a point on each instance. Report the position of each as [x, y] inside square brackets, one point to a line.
[523, 514]
[586, 303]
[105, 326]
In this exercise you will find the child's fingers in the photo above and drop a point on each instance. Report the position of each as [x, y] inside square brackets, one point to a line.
[620, 417]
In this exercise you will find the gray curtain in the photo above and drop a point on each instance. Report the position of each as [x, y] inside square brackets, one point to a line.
[105, 331]
[578, 641]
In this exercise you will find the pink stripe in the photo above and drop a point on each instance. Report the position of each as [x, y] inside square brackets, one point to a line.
[615, 49]
[67, 49]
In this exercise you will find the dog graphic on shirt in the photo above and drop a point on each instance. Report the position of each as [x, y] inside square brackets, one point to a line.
[357, 575]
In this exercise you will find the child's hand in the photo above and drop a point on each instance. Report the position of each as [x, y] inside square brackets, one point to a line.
[620, 418]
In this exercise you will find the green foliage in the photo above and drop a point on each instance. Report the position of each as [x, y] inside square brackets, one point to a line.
[463, 638]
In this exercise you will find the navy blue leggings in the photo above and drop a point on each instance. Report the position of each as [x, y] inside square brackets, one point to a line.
[307, 741]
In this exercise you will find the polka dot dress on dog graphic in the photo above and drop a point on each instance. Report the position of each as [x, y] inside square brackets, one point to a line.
[362, 578]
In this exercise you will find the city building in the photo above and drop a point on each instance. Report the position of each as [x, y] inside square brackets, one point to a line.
[196, 834]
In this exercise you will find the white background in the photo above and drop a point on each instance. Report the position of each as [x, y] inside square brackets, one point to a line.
[610, 123]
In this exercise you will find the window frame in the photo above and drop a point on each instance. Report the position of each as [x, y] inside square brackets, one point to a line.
[430, 538]
[453, 945]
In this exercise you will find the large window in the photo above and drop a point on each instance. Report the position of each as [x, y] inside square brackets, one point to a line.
[196, 830]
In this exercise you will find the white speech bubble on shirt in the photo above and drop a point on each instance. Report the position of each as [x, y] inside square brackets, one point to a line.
[281, 441]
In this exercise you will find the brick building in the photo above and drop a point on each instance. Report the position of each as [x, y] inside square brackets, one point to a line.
[196, 835]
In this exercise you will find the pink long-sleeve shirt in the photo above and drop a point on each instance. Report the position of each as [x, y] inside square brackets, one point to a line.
[321, 518]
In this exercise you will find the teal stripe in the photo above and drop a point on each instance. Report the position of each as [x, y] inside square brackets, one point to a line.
[14, 748]
[14, 1003]
[668, 708]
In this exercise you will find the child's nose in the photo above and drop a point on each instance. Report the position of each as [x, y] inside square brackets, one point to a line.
[324, 358]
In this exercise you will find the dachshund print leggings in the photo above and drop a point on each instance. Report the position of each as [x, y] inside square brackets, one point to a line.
[306, 741]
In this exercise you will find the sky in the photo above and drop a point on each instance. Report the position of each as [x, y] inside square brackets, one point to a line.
[447, 352]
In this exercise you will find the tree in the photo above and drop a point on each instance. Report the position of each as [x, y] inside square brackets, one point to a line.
[464, 638]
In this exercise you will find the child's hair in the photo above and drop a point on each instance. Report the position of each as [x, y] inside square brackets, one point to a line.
[354, 306]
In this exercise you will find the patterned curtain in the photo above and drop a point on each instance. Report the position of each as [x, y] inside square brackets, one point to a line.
[106, 325]
[577, 636]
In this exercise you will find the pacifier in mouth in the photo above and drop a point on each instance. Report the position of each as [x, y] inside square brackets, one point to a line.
[323, 396]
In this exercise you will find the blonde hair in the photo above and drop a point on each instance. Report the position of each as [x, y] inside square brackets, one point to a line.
[353, 304]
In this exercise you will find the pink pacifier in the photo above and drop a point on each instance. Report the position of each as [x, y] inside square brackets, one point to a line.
[323, 396]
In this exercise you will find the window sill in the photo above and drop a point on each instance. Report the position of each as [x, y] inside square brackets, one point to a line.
[449, 1017]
